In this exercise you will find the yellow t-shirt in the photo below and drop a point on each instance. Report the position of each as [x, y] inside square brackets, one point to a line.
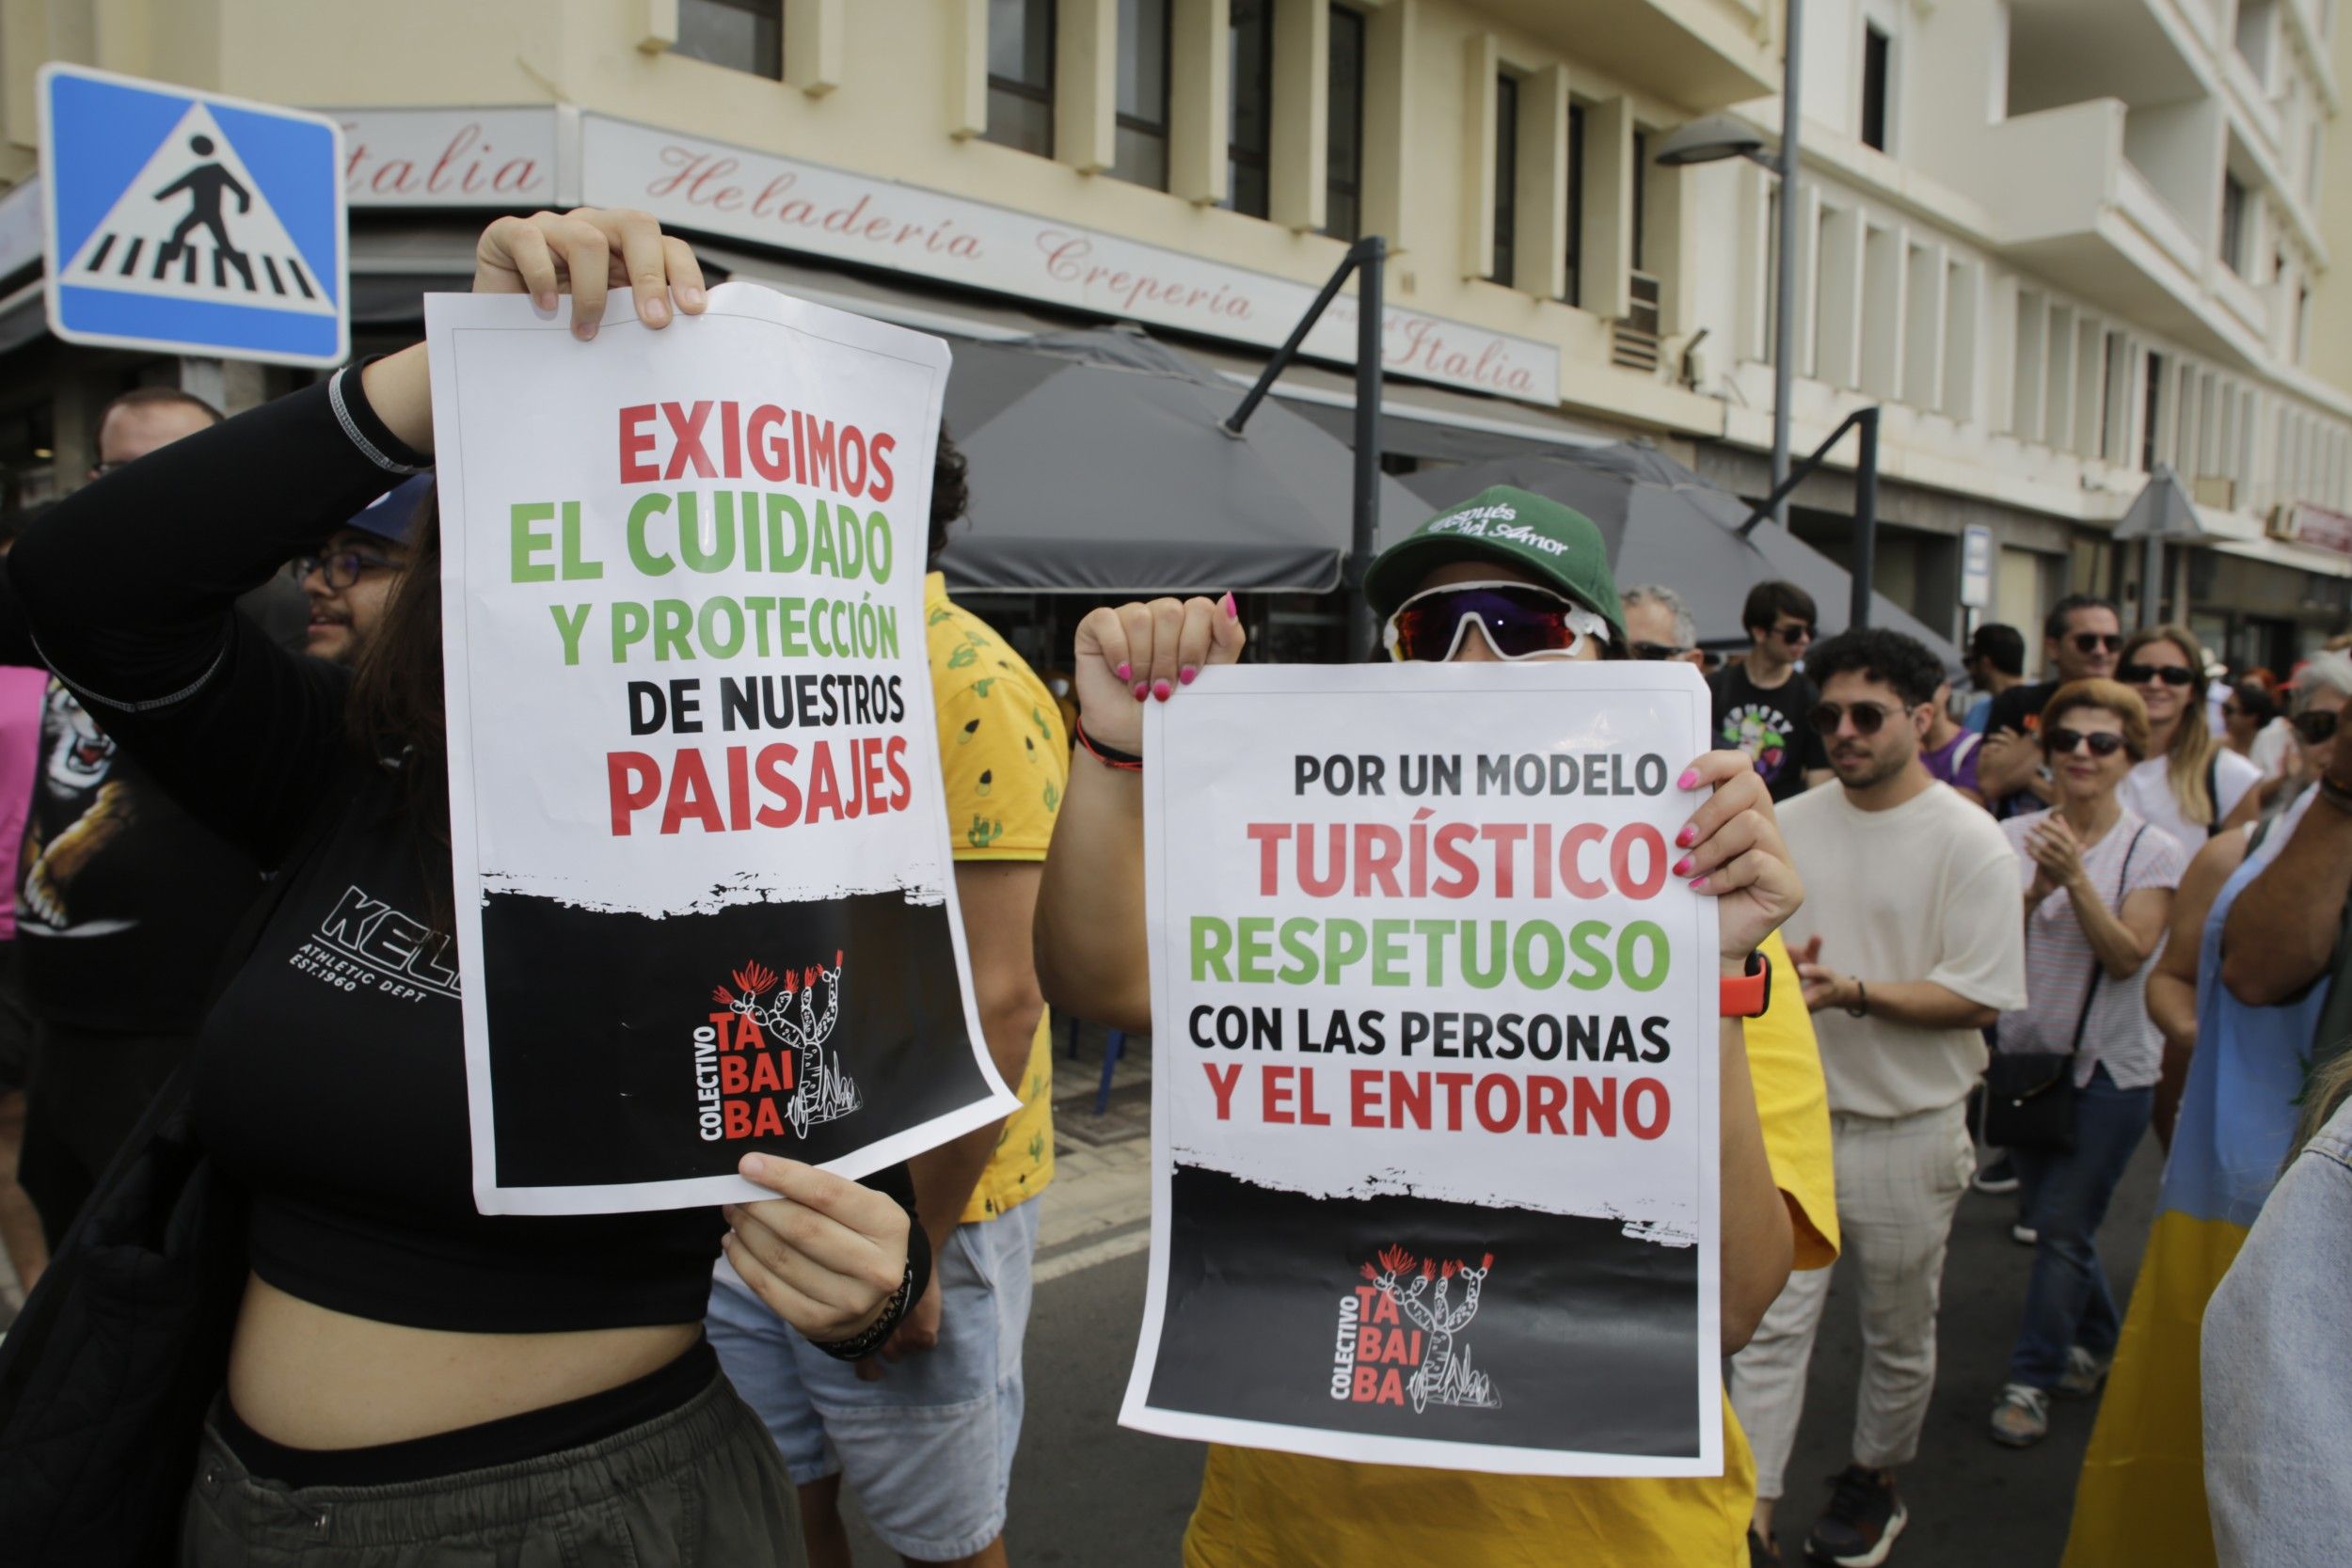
[1259, 1509]
[1006, 762]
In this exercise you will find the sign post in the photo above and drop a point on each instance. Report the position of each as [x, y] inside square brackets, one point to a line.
[184, 222]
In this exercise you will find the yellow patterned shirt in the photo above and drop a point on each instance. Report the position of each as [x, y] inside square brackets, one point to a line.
[1006, 761]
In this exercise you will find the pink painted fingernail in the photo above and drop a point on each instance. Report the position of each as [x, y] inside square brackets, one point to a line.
[1188, 673]
[1232, 609]
[1683, 866]
[1688, 836]
[1162, 690]
[1141, 691]
[1690, 779]
[1698, 884]
[1122, 672]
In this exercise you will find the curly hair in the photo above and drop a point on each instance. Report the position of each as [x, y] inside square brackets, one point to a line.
[951, 492]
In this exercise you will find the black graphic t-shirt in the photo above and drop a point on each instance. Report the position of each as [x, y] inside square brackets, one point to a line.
[1775, 727]
[123, 899]
[330, 1077]
[2019, 708]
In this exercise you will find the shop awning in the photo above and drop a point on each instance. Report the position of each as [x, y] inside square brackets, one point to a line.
[1100, 465]
[1665, 524]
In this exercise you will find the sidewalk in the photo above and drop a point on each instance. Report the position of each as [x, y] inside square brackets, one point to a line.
[1099, 1207]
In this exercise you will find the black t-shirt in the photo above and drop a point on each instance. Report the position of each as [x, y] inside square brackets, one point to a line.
[330, 1078]
[1775, 727]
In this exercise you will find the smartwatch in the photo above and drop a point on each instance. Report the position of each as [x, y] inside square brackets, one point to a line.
[1748, 995]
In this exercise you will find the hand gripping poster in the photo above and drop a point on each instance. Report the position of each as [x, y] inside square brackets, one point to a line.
[1434, 1090]
[704, 903]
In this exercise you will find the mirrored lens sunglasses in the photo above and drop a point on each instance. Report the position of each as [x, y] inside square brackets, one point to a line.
[1518, 619]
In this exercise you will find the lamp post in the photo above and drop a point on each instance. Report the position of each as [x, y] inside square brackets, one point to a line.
[1720, 136]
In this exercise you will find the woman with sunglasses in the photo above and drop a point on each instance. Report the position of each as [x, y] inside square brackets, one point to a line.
[412, 1381]
[2098, 880]
[1544, 593]
[2190, 784]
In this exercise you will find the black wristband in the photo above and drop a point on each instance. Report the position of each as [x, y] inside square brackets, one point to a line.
[859, 1346]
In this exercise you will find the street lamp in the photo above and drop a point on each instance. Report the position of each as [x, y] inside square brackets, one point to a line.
[1721, 137]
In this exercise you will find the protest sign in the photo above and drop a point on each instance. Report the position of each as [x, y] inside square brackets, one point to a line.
[1434, 1090]
[703, 896]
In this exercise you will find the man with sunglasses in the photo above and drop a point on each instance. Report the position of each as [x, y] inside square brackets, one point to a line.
[2081, 638]
[1908, 944]
[1657, 626]
[1761, 703]
[350, 581]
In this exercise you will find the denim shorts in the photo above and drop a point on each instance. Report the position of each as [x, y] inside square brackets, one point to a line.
[928, 1449]
[697, 1488]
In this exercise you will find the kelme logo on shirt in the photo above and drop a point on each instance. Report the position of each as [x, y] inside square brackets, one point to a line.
[1400, 1337]
[762, 1062]
[366, 945]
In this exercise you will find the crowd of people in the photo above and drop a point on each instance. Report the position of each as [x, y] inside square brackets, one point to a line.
[2017, 928]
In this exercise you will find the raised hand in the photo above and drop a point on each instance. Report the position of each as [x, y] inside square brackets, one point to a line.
[1139, 652]
[589, 250]
[1735, 855]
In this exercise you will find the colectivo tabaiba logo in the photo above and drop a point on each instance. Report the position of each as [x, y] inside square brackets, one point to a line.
[1400, 1337]
[762, 1062]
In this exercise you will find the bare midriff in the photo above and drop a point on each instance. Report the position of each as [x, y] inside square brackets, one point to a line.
[308, 1377]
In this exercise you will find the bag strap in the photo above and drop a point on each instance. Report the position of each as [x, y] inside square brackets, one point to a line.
[2213, 792]
[2122, 879]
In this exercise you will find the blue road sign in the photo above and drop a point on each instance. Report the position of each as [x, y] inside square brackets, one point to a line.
[188, 223]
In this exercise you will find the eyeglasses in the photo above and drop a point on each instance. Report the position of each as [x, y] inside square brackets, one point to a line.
[2171, 675]
[2103, 743]
[342, 568]
[1519, 621]
[2096, 641]
[1868, 718]
[1792, 635]
[1657, 649]
[2316, 727]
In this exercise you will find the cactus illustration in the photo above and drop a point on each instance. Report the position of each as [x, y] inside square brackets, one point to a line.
[1053, 796]
[979, 688]
[983, 832]
[964, 656]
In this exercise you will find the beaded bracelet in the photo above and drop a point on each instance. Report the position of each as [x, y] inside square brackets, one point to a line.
[1109, 757]
[859, 1346]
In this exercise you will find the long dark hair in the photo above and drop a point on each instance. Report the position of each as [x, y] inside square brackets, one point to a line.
[395, 714]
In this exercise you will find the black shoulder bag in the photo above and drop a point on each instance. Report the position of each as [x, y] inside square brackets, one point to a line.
[2030, 1095]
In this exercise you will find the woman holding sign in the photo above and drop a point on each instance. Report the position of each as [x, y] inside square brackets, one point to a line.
[412, 1381]
[1537, 591]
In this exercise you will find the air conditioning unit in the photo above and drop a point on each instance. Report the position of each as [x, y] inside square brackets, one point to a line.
[2215, 491]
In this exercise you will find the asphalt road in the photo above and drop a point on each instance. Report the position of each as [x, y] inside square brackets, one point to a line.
[1086, 1492]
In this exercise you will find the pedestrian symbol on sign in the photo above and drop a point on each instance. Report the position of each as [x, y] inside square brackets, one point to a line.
[148, 244]
[187, 222]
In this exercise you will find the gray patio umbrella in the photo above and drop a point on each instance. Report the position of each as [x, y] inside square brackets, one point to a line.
[1098, 465]
[1663, 524]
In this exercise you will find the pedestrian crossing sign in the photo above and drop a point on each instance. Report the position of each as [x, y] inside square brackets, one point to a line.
[188, 223]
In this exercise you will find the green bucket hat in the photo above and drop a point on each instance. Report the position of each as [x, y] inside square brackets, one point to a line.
[1557, 544]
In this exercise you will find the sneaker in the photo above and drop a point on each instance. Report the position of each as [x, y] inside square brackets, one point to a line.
[1762, 1553]
[2024, 1235]
[1999, 1176]
[1858, 1528]
[2022, 1418]
[2084, 1374]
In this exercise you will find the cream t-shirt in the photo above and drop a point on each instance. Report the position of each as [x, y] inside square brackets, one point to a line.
[1926, 891]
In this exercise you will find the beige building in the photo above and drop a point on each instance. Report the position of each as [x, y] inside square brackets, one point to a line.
[2060, 240]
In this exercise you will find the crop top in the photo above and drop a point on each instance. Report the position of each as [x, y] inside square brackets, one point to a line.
[329, 1076]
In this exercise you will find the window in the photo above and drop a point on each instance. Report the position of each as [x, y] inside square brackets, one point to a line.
[1343, 167]
[1250, 135]
[1021, 74]
[1576, 204]
[1143, 52]
[2303, 331]
[2152, 419]
[1506, 179]
[1876, 49]
[741, 35]
[2233, 223]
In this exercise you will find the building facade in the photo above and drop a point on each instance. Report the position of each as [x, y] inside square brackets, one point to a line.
[2059, 241]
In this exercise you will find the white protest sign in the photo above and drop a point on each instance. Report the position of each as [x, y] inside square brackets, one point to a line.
[1434, 1091]
[705, 901]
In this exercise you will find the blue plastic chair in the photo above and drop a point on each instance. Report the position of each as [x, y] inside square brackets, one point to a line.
[1112, 1046]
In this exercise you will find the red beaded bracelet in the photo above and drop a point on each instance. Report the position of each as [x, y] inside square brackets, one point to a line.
[1126, 761]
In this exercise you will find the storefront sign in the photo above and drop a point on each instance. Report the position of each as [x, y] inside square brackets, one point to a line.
[704, 903]
[449, 157]
[691, 183]
[2319, 527]
[1434, 1123]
